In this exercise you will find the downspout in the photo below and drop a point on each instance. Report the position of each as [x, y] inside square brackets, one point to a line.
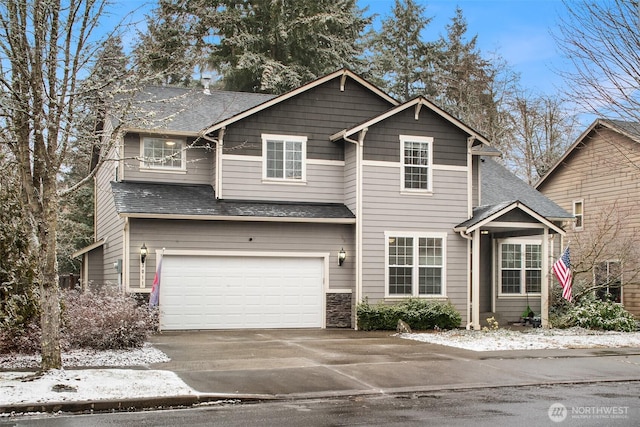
[470, 240]
[217, 178]
[359, 185]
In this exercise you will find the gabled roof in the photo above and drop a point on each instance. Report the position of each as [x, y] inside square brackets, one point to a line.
[342, 74]
[629, 129]
[193, 201]
[417, 103]
[185, 111]
[501, 191]
[483, 215]
[499, 185]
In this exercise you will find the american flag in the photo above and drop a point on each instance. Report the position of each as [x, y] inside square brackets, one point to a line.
[154, 298]
[562, 271]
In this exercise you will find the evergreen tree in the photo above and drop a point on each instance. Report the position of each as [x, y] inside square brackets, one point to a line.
[401, 61]
[464, 79]
[274, 46]
[171, 46]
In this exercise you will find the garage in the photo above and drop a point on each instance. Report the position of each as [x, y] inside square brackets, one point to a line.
[238, 292]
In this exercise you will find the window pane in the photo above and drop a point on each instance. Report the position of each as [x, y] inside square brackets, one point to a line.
[293, 165]
[400, 280]
[401, 251]
[416, 165]
[511, 256]
[275, 159]
[534, 281]
[162, 153]
[533, 256]
[430, 251]
[430, 281]
[511, 281]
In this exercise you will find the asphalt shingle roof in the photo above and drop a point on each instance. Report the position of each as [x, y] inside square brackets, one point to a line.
[194, 200]
[188, 109]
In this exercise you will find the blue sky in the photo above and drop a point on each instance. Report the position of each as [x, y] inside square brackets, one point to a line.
[518, 30]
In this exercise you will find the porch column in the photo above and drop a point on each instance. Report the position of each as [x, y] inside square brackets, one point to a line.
[544, 304]
[475, 279]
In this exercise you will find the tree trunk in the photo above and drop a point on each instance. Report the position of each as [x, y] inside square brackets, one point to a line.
[49, 287]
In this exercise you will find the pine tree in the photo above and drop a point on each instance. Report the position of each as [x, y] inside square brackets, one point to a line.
[463, 78]
[171, 46]
[401, 61]
[273, 46]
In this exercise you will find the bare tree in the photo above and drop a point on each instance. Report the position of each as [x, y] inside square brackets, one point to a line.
[47, 52]
[602, 41]
[540, 130]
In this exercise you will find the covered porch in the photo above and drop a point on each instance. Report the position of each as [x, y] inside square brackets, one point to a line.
[511, 251]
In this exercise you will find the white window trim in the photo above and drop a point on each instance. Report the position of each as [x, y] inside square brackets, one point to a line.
[523, 286]
[574, 203]
[267, 137]
[415, 286]
[423, 139]
[611, 261]
[159, 168]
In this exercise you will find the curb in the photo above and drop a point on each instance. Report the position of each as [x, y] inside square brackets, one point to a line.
[127, 405]
[186, 401]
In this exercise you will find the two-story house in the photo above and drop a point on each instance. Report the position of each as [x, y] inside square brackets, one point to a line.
[285, 212]
[598, 179]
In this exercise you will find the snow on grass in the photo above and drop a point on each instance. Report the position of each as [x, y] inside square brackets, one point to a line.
[88, 384]
[98, 383]
[91, 358]
[534, 339]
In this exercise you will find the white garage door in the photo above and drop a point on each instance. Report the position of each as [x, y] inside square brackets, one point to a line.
[214, 292]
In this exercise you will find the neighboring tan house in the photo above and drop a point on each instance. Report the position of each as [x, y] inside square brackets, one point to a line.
[598, 180]
[287, 211]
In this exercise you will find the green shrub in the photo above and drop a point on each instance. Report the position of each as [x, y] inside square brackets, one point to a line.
[592, 313]
[420, 314]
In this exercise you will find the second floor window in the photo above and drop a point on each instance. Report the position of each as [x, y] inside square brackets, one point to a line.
[161, 153]
[578, 214]
[284, 157]
[416, 162]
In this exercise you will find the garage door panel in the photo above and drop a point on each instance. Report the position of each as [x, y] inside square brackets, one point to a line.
[207, 292]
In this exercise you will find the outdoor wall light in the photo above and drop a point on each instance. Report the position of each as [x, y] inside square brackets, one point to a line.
[143, 253]
[342, 255]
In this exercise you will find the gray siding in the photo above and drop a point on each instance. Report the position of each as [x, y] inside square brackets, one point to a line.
[316, 114]
[242, 179]
[230, 236]
[96, 267]
[449, 146]
[385, 209]
[350, 177]
[511, 308]
[200, 164]
[475, 181]
[108, 224]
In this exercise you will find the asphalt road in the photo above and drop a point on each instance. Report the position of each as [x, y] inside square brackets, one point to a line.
[594, 404]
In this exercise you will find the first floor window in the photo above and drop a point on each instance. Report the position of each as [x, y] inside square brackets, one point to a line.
[520, 268]
[415, 265]
[607, 276]
[161, 153]
[284, 157]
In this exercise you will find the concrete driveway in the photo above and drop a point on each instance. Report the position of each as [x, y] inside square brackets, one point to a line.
[315, 362]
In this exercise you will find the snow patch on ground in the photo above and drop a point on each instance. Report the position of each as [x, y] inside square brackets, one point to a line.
[88, 384]
[98, 383]
[534, 339]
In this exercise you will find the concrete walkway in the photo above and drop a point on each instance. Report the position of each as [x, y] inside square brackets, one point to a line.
[316, 363]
